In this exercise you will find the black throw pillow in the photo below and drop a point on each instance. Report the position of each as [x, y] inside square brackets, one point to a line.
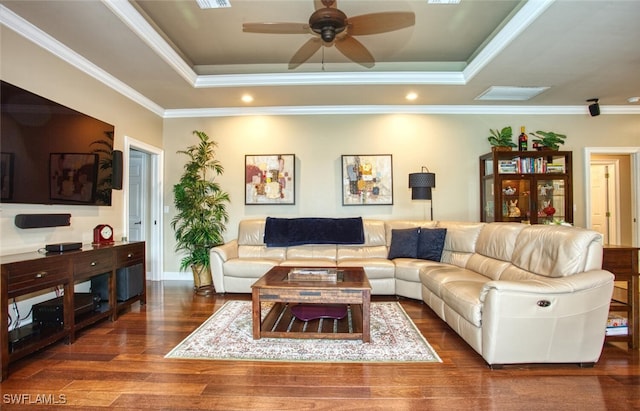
[431, 243]
[404, 243]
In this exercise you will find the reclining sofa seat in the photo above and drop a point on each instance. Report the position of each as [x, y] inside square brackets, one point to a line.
[528, 294]
[514, 293]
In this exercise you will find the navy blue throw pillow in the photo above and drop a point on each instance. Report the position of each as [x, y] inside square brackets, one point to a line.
[431, 243]
[404, 243]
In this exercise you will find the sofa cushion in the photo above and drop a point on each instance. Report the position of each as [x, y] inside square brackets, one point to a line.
[555, 251]
[308, 262]
[460, 242]
[248, 268]
[408, 269]
[262, 251]
[463, 297]
[326, 252]
[404, 243]
[431, 243]
[251, 232]
[434, 277]
[353, 252]
[497, 240]
[375, 268]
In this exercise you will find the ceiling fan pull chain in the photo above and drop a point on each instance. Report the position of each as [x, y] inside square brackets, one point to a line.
[323, 58]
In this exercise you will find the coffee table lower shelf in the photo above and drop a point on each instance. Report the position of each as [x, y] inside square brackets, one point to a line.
[281, 323]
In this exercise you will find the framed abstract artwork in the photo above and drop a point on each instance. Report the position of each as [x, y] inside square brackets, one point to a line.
[269, 179]
[367, 179]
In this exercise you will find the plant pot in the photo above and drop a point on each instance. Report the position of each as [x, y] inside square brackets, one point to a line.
[501, 148]
[202, 280]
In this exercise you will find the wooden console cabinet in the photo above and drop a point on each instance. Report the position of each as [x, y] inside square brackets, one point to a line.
[33, 272]
[622, 261]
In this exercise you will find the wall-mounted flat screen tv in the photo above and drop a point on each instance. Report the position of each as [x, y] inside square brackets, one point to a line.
[51, 154]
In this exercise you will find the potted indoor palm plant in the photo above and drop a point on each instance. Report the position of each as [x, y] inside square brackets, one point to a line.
[500, 140]
[201, 213]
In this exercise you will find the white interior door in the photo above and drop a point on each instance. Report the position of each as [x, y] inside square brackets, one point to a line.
[145, 201]
[604, 200]
[137, 196]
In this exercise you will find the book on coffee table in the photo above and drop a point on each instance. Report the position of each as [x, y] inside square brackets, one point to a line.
[313, 274]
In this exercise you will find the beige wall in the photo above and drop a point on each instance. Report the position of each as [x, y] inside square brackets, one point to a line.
[34, 69]
[449, 145]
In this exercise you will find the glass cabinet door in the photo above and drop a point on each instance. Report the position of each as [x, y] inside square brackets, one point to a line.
[516, 200]
[488, 200]
[550, 200]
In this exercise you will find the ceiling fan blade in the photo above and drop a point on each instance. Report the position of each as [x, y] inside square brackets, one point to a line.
[355, 51]
[375, 23]
[276, 28]
[305, 52]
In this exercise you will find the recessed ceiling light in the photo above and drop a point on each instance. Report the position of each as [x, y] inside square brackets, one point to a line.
[247, 98]
[633, 99]
[443, 1]
[510, 93]
[411, 96]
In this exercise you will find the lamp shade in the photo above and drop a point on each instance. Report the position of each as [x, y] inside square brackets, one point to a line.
[421, 184]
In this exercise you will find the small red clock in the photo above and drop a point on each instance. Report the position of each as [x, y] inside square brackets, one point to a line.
[103, 234]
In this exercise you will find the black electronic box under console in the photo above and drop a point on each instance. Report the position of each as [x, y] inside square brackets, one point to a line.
[62, 247]
[51, 313]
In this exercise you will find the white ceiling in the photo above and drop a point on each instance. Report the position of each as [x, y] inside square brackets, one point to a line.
[179, 60]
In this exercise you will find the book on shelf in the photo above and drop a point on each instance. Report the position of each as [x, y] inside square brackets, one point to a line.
[616, 320]
[555, 168]
[624, 330]
[507, 166]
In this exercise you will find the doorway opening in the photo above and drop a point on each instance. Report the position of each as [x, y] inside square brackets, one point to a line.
[612, 176]
[143, 179]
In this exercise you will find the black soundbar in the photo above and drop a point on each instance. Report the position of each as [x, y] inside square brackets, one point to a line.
[62, 247]
[42, 220]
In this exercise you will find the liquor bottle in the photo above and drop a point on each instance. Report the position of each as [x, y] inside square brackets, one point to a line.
[522, 140]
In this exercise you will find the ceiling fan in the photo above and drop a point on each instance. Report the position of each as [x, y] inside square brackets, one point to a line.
[331, 27]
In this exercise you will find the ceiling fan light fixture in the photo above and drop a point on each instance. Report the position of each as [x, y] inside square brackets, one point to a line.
[328, 22]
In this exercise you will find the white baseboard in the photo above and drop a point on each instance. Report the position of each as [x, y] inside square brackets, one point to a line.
[177, 276]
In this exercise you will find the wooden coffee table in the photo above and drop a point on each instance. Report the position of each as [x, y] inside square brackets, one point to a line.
[352, 288]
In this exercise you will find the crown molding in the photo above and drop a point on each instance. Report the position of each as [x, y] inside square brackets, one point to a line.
[334, 78]
[130, 16]
[27, 30]
[516, 25]
[392, 109]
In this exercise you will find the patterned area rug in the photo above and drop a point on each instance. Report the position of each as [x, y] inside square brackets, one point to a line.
[227, 335]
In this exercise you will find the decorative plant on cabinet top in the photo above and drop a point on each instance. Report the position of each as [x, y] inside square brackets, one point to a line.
[201, 211]
[548, 139]
[501, 140]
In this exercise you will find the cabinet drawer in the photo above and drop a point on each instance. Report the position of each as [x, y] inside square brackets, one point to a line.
[37, 274]
[130, 255]
[92, 263]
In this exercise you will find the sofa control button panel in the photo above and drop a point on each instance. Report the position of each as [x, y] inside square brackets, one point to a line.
[544, 303]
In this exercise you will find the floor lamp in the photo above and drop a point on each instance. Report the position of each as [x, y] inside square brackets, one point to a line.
[421, 184]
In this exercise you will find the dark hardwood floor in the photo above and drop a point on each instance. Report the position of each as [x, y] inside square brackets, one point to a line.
[121, 365]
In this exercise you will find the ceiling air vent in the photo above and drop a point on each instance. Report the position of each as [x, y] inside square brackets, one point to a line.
[213, 4]
[510, 93]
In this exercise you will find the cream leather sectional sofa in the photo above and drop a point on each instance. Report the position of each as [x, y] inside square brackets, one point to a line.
[515, 293]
